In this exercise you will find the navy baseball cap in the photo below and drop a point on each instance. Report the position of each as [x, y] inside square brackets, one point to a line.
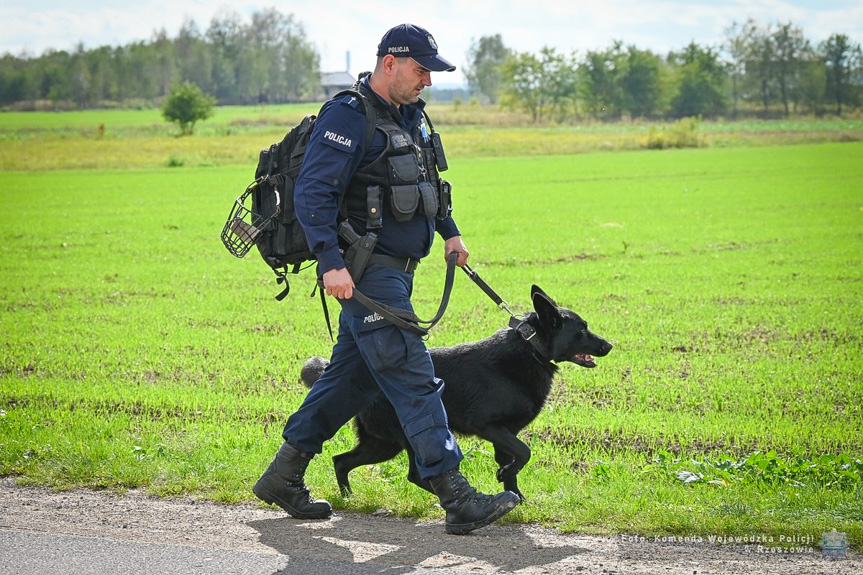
[409, 41]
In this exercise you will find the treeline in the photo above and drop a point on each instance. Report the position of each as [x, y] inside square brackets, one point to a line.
[770, 70]
[268, 58]
[758, 70]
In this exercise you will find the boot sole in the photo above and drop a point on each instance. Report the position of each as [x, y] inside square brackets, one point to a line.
[465, 528]
[271, 499]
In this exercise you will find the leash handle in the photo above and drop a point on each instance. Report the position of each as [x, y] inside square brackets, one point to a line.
[487, 289]
[400, 317]
[408, 320]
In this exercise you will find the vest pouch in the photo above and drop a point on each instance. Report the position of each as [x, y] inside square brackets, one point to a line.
[374, 208]
[404, 201]
[430, 199]
[404, 169]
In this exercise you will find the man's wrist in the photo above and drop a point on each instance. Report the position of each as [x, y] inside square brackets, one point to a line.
[330, 260]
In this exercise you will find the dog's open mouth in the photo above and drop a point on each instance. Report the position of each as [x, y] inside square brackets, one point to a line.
[584, 360]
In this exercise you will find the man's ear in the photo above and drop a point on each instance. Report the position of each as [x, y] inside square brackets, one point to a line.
[389, 63]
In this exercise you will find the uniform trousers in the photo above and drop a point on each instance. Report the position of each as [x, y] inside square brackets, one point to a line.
[371, 356]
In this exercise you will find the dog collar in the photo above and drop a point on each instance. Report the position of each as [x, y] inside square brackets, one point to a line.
[528, 334]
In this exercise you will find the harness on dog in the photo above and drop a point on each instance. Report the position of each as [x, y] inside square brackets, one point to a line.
[518, 325]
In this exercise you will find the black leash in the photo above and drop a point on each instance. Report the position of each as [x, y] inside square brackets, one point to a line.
[400, 317]
[520, 326]
[409, 321]
[498, 301]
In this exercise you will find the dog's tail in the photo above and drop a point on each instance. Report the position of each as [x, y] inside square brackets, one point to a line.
[312, 370]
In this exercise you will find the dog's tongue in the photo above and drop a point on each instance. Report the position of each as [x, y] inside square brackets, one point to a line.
[585, 360]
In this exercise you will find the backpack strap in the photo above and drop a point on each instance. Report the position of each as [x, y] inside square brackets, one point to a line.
[371, 124]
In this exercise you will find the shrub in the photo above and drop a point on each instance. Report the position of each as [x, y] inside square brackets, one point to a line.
[682, 134]
[186, 105]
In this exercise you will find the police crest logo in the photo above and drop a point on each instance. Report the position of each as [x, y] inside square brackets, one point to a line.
[400, 141]
[834, 544]
[432, 42]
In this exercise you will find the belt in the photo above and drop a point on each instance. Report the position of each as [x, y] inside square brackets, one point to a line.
[404, 264]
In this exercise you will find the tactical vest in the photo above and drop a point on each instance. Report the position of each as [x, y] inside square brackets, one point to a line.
[403, 180]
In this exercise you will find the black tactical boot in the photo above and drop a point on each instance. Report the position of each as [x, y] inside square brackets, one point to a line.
[466, 509]
[282, 484]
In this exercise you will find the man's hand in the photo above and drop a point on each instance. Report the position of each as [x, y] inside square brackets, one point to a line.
[454, 244]
[338, 283]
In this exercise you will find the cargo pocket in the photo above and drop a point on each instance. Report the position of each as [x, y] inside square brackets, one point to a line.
[424, 439]
[404, 169]
[430, 199]
[385, 347]
[404, 201]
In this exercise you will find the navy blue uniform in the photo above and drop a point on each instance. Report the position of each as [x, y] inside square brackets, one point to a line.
[335, 151]
[397, 359]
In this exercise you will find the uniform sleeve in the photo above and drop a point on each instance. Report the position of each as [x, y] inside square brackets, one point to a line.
[447, 228]
[334, 150]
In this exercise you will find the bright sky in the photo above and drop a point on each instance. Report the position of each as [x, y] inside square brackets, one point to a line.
[337, 27]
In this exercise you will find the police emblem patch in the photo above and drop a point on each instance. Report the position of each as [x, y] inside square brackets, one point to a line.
[400, 141]
[432, 42]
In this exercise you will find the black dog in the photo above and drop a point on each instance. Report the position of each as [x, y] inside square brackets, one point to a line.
[494, 388]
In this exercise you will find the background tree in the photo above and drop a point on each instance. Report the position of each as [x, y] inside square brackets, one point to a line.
[812, 85]
[701, 82]
[790, 50]
[843, 62]
[483, 71]
[296, 70]
[541, 85]
[736, 47]
[55, 84]
[194, 58]
[163, 63]
[186, 105]
[601, 79]
[641, 82]
[15, 82]
[225, 37]
[760, 55]
[80, 78]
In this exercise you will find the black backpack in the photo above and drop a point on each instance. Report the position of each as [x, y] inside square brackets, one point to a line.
[264, 215]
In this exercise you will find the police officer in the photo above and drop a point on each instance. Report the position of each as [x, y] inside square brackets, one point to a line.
[343, 176]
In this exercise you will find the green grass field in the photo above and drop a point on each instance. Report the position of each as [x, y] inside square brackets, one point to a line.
[137, 352]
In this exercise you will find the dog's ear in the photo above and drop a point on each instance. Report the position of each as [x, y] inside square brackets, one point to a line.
[535, 289]
[549, 315]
